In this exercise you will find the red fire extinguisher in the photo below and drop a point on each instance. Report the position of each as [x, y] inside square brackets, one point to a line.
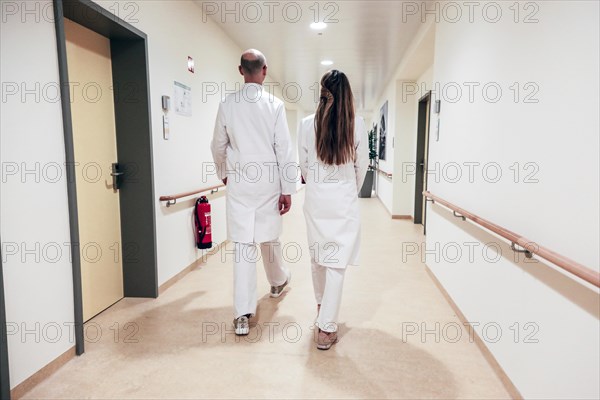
[202, 228]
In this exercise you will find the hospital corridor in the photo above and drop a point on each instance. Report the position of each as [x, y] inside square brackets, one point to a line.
[183, 343]
[347, 199]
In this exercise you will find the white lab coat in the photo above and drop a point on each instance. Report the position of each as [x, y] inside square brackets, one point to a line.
[331, 205]
[251, 147]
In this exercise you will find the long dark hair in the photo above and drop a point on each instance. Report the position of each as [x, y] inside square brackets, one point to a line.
[334, 120]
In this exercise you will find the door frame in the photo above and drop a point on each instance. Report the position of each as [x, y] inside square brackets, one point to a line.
[423, 129]
[129, 54]
[4, 371]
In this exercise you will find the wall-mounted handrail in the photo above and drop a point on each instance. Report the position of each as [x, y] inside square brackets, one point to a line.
[172, 199]
[530, 247]
[386, 174]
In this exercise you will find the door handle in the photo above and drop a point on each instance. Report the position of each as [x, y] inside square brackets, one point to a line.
[115, 173]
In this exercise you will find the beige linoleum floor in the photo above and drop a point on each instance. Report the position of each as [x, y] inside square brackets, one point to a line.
[180, 346]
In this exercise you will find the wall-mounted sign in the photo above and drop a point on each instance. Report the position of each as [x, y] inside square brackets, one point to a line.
[191, 64]
[183, 99]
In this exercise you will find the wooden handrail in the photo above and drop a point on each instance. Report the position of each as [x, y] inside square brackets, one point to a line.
[531, 248]
[173, 198]
[386, 174]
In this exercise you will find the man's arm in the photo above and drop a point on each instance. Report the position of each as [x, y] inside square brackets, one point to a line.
[219, 145]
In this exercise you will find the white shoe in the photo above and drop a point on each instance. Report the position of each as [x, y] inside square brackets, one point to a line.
[241, 325]
[276, 291]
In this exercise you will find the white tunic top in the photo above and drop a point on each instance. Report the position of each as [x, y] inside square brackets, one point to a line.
[251, 147]
[331, 205]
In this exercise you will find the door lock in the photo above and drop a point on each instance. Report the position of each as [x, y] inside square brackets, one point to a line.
[115, 173]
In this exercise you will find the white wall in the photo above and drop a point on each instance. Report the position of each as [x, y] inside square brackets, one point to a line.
[33, 208]
[406, 143]
[384, 186]
[403, 92]
[559, 134]
[408, 95]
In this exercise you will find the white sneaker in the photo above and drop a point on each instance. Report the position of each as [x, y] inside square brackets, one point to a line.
[241, 325]
[276, 291]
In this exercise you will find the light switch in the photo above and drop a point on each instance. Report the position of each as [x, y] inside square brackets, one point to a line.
[166, 103]
[166, 129]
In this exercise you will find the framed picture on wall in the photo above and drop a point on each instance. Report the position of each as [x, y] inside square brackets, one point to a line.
[383, 123]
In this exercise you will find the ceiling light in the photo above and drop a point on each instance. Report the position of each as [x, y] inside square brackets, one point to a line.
[318, 26]
[326, 63]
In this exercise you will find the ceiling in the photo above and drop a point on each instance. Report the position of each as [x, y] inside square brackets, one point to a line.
[366, 42]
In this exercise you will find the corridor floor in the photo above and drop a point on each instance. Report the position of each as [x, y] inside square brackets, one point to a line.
[181, 345]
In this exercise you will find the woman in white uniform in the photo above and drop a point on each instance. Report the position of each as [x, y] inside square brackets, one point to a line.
[333, 149]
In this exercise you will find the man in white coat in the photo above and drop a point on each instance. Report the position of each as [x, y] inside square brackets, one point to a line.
[252, 151]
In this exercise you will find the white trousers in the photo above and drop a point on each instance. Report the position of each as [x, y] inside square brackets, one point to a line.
[244, 273]
[328, 284]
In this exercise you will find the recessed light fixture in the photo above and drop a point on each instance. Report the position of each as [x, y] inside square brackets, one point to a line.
[318, 26]
[326, 63]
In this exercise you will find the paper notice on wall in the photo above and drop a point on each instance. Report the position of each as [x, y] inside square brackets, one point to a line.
[183, 99]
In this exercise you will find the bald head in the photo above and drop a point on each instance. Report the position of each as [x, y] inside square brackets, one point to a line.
[253, 66]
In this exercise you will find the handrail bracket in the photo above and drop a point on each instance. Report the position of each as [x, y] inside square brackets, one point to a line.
[171, 202]
[459, 216]
[527, 253]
